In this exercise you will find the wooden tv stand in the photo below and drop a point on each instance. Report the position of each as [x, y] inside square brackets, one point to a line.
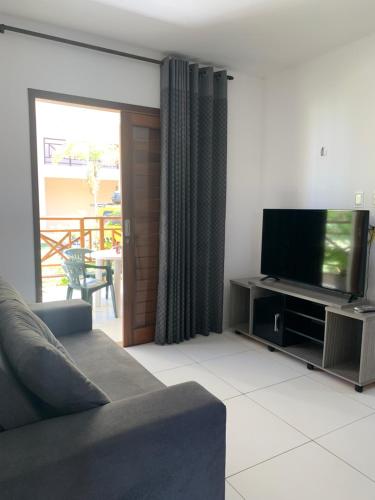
[320, 327]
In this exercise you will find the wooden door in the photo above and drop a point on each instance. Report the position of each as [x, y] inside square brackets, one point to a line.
[141, 209]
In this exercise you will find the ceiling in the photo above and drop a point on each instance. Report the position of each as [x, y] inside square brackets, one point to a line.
[258, 37]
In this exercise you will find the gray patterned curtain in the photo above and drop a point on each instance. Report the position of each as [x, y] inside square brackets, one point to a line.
[193, 197]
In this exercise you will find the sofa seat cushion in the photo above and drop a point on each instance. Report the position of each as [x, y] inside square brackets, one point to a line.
[109, 366]
[40, 363]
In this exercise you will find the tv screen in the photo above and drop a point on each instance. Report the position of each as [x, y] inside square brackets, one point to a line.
[325, 248]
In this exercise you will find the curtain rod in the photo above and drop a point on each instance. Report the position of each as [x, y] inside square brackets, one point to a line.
[5, 27]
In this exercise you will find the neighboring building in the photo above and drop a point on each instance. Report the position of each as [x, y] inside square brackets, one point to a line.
[63, 174]
[66, 180]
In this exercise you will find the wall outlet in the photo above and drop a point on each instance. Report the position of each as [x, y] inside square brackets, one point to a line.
[359, 199]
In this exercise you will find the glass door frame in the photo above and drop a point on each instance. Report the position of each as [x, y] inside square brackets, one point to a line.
[33, 96]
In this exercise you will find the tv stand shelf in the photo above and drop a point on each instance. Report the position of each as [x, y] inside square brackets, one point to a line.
[319, 328]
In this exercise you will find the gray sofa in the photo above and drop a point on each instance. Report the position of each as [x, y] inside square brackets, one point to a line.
[149, 442]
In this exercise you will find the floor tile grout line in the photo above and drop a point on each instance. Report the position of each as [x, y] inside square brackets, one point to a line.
[204, 368]
[248, 394]
[223, 380]
[284, 365]
[153, 372]
[177, 346]
[273, 385]
[195, 362]
[232, 397]
[296, 428]
[227, 478]
[345, 425]
[352, 398]
[311, 376]
[337, 391]
[280, 418]
[210, 373]
[241, 393]
[172, 368]
[268, 459]
[220, 355]
[200, 363]
[344, 461]
[235, 489]
[171, 346]
[257, 389]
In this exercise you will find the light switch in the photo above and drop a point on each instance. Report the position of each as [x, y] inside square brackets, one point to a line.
[373, 198]
[359, 199]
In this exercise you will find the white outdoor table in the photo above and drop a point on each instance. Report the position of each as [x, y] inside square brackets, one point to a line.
[109, 255]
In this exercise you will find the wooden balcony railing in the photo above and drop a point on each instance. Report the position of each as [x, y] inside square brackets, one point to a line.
[60, 233]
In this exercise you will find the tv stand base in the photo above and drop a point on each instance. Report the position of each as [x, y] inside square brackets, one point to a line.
[352, 298]
[265, 278]
[321, 329]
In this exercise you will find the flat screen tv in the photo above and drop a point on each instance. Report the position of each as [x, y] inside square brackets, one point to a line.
[323, 248]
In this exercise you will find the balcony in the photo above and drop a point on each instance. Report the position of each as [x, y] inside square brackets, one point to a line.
[95, 233]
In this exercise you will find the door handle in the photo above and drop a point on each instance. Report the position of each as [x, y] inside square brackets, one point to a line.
[276, 323]
[127, 228]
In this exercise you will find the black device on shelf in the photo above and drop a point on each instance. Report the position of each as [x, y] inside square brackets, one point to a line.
[286, 320]
[324, 248]
[269, 318]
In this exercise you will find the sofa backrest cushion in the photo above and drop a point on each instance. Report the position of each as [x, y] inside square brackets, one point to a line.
[17, 405]
[31, 320]
[40, 363]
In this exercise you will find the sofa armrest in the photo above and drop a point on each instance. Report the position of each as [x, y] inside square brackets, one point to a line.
[64, 317]
[168, 444]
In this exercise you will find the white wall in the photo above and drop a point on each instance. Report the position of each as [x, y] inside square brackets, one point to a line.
[44, 65]
[327, 102]
[245, 101]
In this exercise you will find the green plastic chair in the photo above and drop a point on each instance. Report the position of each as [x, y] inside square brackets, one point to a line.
[79, 280]
[79, 255]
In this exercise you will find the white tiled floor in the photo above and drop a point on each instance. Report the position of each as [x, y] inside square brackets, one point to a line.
[355, 444]
[202, 348]
[367, 397]
[306, 473]
[198, 373]
[292, 434]
[309, 406]
[255, 435]
[250, 370]
[158, 358]
[231, 493]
